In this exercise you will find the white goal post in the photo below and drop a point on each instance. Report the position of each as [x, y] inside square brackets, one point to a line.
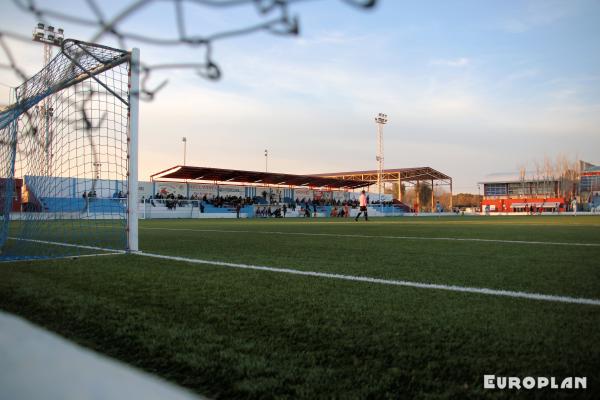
[134, 114]
[69, 155]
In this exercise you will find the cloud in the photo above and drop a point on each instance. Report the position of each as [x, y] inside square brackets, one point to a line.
[331, 38]
[456, 62]
[524, 74]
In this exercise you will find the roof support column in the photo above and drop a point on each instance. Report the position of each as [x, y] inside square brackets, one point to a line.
[399, 188]
[451, 205]
[432, 198]
[418, 193]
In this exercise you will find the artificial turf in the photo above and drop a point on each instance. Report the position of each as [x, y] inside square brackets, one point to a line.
[235, 333]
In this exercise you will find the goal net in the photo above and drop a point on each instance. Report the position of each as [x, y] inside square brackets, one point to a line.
[68, 156]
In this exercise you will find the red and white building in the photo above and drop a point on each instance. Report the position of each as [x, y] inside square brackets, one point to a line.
[528, 195]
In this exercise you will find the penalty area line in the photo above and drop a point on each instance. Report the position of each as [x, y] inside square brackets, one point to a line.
[391, 282]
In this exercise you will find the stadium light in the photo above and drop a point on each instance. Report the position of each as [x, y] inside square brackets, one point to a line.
[48, 35]
[381, 119]
[98, 166]
[184, 140]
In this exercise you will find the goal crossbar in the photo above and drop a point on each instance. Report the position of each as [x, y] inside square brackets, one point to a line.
[15, 110]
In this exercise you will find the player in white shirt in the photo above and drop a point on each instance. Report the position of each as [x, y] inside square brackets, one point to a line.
[362, 200]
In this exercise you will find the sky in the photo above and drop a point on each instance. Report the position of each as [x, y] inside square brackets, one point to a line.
[471, 88]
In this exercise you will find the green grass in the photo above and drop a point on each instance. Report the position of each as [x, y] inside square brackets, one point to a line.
[235, 333]
[108, 233]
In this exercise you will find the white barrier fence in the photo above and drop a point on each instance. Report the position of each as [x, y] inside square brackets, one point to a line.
[173, 208]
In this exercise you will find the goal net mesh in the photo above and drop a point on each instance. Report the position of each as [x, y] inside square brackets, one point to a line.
[64, 156]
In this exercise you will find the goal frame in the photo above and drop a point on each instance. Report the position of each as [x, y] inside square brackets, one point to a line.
[10, 117]
[132, 151]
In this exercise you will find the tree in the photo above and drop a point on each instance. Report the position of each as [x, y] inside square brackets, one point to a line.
[466, 200]
[424, 196]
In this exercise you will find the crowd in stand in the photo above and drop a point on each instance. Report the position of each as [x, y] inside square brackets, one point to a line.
[172, 201]
[271, 212]
[338, 203]
[271, 207]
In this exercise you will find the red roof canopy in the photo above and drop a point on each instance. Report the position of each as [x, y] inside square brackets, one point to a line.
[181, 172]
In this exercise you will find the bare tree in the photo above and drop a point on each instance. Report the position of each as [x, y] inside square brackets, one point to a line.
[522, 174]
[548, 174]
[538, 174]
[565, 170]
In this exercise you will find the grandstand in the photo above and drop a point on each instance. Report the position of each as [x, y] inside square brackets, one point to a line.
[254, 189]
[402, 176]
[203, 192]
[73, 195]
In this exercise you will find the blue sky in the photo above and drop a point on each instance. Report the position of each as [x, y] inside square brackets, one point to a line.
[471, 87]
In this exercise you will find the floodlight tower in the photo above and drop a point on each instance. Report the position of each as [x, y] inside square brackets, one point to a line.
[184, 140]
[266, 160]
[380, 120]
[49, 37]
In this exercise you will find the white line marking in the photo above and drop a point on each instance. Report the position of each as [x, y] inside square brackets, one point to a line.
[453, 288]
[379, 236]
[60, 258]
[81, 246]
[421, 285]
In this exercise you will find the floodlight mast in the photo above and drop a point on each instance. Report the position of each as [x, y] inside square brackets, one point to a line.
[266, 160]
[47, 35]
[381, 119]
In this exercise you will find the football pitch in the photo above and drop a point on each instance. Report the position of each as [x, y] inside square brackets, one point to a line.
[333, 308]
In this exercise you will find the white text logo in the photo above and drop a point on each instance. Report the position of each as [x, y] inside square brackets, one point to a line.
[530, 382]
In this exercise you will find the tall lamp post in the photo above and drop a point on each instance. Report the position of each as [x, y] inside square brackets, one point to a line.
[381, 119]
[266, 160]
[184, 140]
[48, 36]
